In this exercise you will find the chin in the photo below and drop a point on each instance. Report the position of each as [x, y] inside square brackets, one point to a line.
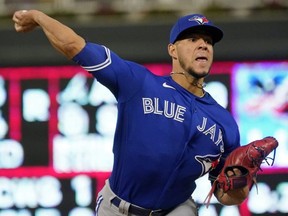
[198, 72]
[199, 75]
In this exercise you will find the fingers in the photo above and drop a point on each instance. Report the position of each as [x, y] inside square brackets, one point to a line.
[23, 21]
[18, 28]
[234, 172]
[18, 14]
[16, 18]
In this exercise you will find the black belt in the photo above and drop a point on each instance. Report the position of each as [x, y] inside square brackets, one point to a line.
[140, 211]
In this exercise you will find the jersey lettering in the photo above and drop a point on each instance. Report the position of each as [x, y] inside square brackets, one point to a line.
[170, 109]
[212, 131]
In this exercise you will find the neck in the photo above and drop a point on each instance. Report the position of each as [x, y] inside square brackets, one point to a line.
[193, 85]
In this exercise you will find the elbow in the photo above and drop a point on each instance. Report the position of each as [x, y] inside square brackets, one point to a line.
[69, 46]
[70, 49]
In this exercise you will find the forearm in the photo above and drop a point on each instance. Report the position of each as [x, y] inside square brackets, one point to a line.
[61, 37]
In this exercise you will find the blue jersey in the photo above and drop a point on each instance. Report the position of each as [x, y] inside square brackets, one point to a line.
[165, 137]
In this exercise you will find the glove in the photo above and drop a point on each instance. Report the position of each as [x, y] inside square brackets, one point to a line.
[246, 159]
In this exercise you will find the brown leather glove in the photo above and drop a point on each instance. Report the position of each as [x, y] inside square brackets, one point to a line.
[246, 159]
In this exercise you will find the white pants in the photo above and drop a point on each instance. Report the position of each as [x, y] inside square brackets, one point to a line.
[104, 207]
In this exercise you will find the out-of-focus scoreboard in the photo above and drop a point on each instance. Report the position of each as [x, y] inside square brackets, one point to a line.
[55, 152]
[57, 126]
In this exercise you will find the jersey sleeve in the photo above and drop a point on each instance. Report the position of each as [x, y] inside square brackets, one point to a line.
[120, 76]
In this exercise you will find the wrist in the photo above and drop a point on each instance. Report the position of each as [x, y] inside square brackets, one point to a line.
[37, 16]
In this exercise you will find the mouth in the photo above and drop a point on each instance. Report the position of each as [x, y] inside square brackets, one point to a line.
[202, 59]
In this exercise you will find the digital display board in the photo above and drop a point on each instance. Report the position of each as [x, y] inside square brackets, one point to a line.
[57, 127]
[55, 141]
[260, 103]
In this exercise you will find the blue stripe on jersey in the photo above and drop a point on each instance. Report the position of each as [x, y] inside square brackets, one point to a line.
[102, 65]
[91, 58]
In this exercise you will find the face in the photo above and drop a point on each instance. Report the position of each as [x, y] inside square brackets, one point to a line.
[194, 54]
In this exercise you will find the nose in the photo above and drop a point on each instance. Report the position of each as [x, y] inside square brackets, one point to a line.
[203, 44]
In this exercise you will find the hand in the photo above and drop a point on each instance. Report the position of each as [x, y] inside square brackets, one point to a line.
[234, 172]
[24, 21]
[233, 196]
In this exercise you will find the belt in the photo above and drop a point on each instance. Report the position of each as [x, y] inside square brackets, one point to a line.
[135, 210]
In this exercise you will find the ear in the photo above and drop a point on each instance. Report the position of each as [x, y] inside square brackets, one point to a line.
[172, 50]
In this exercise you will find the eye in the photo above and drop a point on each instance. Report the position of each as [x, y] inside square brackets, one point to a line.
[209, 41]
[193, 39]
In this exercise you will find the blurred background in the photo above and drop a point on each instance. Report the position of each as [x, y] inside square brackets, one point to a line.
[57, 123]
[139, 29]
